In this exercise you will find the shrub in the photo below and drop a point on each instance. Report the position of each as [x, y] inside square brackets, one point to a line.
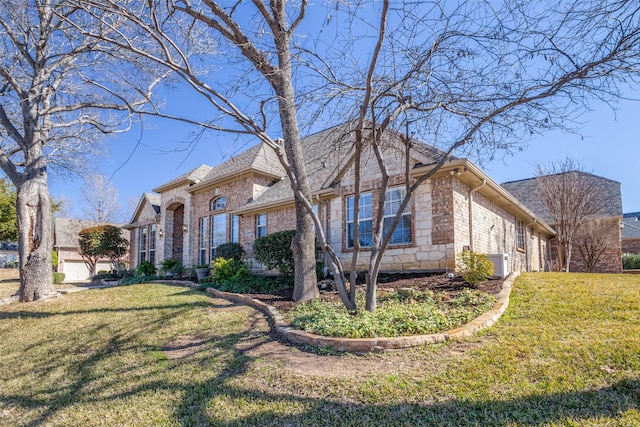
[145, 268]
[106, 275]
[474, 266]
[172, 265]
[54, 259]
[230, 250]
[274, 251]
[225, 269]
[58, 277]
[138, 280]
[630, 261]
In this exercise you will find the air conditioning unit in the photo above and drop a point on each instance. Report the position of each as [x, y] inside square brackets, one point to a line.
[500, 264]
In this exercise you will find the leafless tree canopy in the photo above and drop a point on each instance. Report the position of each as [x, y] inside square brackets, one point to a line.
[573, 200]
[101, 203]
[60, 91]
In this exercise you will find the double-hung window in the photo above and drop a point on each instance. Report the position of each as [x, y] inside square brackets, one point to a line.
[402, 232]
[520, 234]
[202, 239]
[143, 244]
[365, 221]
[218, 232]
[261, 225]
[152, 243]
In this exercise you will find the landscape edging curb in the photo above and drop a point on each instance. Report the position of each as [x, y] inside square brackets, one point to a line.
[364, 345]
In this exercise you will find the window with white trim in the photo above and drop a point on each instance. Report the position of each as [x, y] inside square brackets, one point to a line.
[152, 243]
[202, 239]
[402, 232]
[261, 225]
[142, 244]
[218, 233]
[365, 221]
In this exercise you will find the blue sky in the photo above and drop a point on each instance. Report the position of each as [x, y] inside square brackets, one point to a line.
[608, 145]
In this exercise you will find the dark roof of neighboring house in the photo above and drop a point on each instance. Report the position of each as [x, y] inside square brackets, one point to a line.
[631, 225]
[193, 176]
[327, 155]
[66, 231]
[526, 191]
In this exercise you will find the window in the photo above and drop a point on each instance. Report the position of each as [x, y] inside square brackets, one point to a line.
[202, 239]
[152, 244]
[402, 232]
[218, 204]
[365, 222]
[218, 233]
[261, 225]
[235, 228]
[143, 244]
[520, 234]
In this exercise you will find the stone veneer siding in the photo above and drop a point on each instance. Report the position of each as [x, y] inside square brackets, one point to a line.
[611, 260]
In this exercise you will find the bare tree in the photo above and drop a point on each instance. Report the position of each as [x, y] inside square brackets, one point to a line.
[473, 78]
[259, 97]
[593, 241]
[101, 200]
[60, 91]
[572, 199]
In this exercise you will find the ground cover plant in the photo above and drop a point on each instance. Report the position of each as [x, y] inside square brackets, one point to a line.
[406, 313]
[567, 352]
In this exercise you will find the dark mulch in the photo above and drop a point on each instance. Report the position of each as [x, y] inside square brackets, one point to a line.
[282, 299]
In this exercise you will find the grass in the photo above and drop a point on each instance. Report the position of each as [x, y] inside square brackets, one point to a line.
[397, 315]
[566, 353]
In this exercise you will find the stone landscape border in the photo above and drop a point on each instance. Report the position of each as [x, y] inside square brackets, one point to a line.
[350, 345]
[365, 345]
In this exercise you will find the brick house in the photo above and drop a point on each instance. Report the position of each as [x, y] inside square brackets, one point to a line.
[249, 196]
[66, 233]
[631, 233]
[607, 222]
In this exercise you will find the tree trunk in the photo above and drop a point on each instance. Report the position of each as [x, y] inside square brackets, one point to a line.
[303, 245]
[35, 240]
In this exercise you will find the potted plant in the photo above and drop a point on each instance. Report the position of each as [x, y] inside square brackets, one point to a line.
[171, 267]
[202, 271]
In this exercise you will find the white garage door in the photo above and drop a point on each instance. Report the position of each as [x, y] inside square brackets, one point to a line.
[77, 270]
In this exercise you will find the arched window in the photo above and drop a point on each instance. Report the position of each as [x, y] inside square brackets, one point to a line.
[218, 204]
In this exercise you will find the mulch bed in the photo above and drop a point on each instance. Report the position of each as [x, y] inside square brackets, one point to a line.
[282, 299]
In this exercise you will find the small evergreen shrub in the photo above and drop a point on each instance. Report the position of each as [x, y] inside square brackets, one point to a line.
[145, 268]
[225, 269]
[58, 277]
[631, 261]
[474, 266]
[230, 250]
[54, 259]
[274, 251]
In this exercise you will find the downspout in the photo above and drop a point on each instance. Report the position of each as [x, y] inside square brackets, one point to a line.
[473, 190]
[526, 243]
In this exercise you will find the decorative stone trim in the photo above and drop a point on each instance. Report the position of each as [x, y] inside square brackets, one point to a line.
[365, 345]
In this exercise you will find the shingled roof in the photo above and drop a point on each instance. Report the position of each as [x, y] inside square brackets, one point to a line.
[631, 225]
[527, 192]
[193, 176]
[327, 155]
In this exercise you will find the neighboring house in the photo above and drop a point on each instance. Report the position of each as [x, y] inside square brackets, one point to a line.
[607, 221]
[249, 196]
[65, 242]
[631, 233]
[8, 254]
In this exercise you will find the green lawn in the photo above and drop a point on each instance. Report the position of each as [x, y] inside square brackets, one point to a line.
[567, 352]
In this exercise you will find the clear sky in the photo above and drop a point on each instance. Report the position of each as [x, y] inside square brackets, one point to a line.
[608, 145]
